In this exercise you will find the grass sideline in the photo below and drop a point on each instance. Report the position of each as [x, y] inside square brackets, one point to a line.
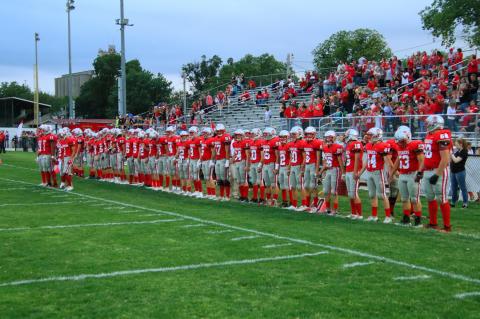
[120, 233]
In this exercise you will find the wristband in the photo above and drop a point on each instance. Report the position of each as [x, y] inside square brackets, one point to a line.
[277, 166]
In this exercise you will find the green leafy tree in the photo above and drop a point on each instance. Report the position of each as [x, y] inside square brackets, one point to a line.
[350, 45]
[443, 17]
[203, 74]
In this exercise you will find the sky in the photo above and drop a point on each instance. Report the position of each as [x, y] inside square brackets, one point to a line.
[168, 34]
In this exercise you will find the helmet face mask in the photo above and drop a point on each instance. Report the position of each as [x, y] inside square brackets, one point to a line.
[330, 137]
[283, 135]
[403, 135]
[434, 122]
[351, 135]
[296, 132]
[375, 133]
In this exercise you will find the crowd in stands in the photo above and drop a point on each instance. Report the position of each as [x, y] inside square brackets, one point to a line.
[385, 93]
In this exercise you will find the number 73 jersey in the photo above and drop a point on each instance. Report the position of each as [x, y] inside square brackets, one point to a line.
[407, 157]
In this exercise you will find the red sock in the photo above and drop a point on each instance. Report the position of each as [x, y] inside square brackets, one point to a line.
[352, 206]
[290, 195]
[406, 212]
[255, 192]
[167, 181]
[335, 206]
[130, 179]
[43, 177]
[358, 207]
[374, 211]
[54, 179]
[284, 195]
[387, 212]
[327, 204]
[269, 196]
[308, 200]
[222, 191]
[262, 192]
[419, 214]
[432, 211]
[227, 191]
[47, 177]
[91, 173]
[62, 178]
[315, 201]
[69, 180]
[445, 208]
[275, 196]
[213, 191]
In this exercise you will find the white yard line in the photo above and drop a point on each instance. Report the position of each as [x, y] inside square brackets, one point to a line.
[419, 277]
[245, 237]
[276, 245]
[348, 251]
[35, 204]
[193, 225]
[358, 264]
[467, 294]
[219, 231]
[160, 269]
[92, 225]
[8, 189]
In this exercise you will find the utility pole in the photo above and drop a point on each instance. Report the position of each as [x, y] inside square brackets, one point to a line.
[35, 98]
[71, 107]
[289, 62]
[122, 22]
[184, 77]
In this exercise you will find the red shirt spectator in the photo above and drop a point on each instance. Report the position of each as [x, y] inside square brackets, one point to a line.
[372, 84]
[251, 84]
[473, 65]
[290, 112]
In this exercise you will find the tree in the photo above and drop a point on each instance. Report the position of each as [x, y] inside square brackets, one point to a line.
[203, 74]
[443, 17]
[350, 45]
[99, 96]
[251, 66]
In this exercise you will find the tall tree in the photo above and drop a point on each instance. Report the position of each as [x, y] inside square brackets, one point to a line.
[350, 45]
[203, 74]
[444, 17]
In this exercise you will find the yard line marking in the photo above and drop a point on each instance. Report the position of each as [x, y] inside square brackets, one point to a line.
[160, 269]
[92, 225]
[412, 277]
[13, 188]
[392, 261]
[193, 225]
[469, 235]
[276, 245]
[245, 237]
[358, 264]
[467, 294]
[219, 231]
[35, 204]
[149, 215]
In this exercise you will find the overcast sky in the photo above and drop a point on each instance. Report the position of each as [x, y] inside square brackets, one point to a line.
[167, 34]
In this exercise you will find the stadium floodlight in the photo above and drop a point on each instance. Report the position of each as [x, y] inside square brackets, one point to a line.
[36, 110]
[71, 108]
[123, 22]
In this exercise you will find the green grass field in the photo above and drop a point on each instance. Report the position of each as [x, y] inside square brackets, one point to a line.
[115, 251]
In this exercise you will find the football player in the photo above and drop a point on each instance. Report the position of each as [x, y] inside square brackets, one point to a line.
[437, 150]
[194, 162]
[221, 154]
[253, 163]
[283, 161]
[295, 177]
[333, 166]
[238, 161]
[378, 154]
[267, 165]
[207, 164]
[182, 161]
[353, 166]
[171, 172]
[310, 169]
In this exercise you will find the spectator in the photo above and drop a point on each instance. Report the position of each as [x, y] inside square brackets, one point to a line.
[252, 85]
[457, 168]
[452, 117]
[208, 100]
[290, 115]
[244, 97]
[268, 117]
[259, 98]
[2, 142]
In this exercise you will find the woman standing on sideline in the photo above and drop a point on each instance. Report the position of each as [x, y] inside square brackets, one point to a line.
[457, 167]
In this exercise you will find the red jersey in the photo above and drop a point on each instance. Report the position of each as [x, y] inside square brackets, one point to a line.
[310, 149]
[375, 154]
[330, 154]
[120, 142]
[172, 145]
[143, 148]
[152, 148]
[269, 147]
[181, 149]
[239, 153]
[206, 148]
[45, 144]
[135, 146]
[194, 148]
[284, 154]
[407, 156]
[219, 144]
[80, 142]
[393, 149]
[352, 148]
[255, 148]
[161, 146]
[129, 147]
[296, 152]
[434, 143]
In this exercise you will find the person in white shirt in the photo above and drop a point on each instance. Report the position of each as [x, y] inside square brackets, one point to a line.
[451, 117]
[405, 76]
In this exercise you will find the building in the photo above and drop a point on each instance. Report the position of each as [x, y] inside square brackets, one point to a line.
[78, 79]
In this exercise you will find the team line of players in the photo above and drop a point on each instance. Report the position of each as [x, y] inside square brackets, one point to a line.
[264, 166]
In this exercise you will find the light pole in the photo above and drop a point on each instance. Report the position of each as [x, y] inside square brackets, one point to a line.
[122, 22]
[71, 108]
[35, 98]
